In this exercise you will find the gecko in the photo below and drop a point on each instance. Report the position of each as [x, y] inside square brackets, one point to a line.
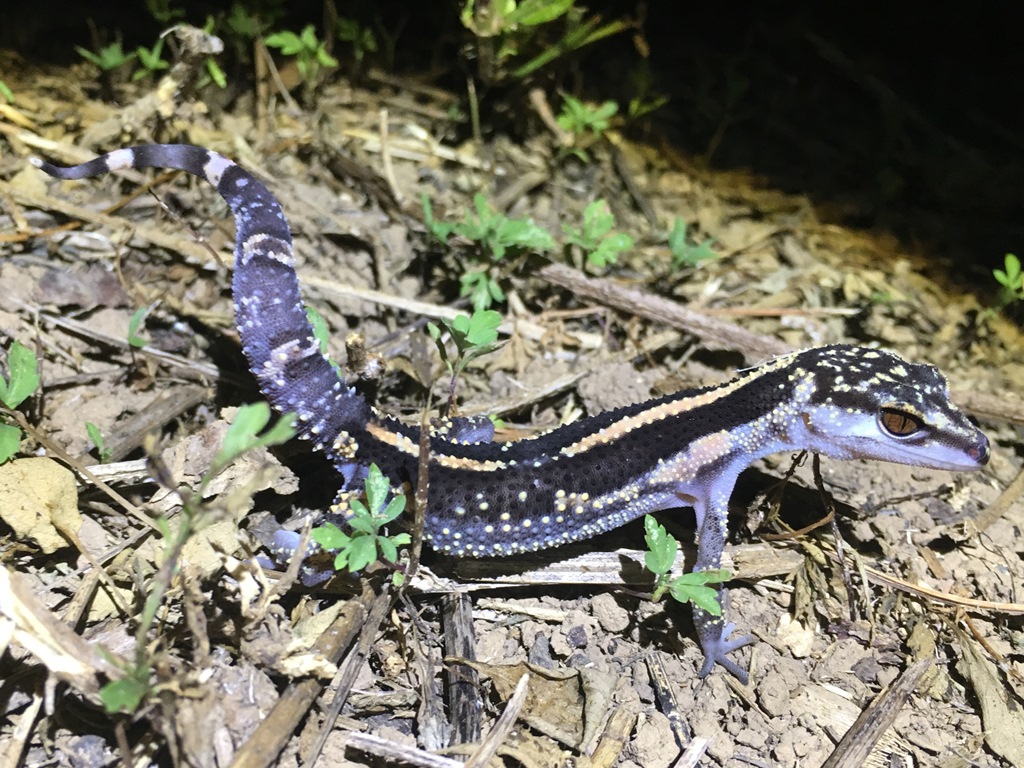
[490, 498]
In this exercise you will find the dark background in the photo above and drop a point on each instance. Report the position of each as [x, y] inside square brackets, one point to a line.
[900, 118]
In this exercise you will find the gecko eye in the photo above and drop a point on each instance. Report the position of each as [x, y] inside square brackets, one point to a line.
[899, 423]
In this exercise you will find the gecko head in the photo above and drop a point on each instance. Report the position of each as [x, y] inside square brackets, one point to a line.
[871, 404]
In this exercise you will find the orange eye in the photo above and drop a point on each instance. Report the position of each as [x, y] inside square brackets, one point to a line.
[899, 423]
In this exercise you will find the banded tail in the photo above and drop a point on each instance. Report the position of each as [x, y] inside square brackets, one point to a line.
[277, 337]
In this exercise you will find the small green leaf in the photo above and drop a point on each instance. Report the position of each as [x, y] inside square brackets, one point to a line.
[494, 293]
[10, 442]
[616, 242]
[358, 508]
[1010, 277]
[288, 42]
[150, 59]
[704, 598]
[325, 59]
[88, 55]
[362, 552]
[124, 695]
[320, 332]
[661, 545]
[1013, 269]
[97, 439]
[690, 587]
[394, 508]
[134, 324]
[677, 237]
[280, 433]
[477, 286]
[161, 11]
[329, 536]
[359, 548]
[23, 369]
[347, 30]
[473, 336]
[597, 219]
[523, 234]
[216, 73]
[577, 117]
[110, 57]
[308, 37]
[377, 487]
[596, 238]
[388, 550]
[684, 254]
[243, 434]
[439, 229]
[362, 522]
[532, 13]
[243, 23]
[482, 328]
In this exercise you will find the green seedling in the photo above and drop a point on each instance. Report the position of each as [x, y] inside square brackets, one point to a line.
[309, 52]
[108, 59]
[659, 558]
[641, 107]
[151, 60]
[683, 253]
[494, 235]
[6, 92]
[366, 543]
[361, 38]
[473, 335]
[97, 439]
[495, 232]
[579, 117]
[247, 432]
[10, 442]
[126, 693]
[22, 380]
[515, 39]
[214, 74]
[584, 123]
[135, 323]
[494, 17]
[161, 11]
[1011, 278]
[596, 238]
[321, 333]
[244, 25]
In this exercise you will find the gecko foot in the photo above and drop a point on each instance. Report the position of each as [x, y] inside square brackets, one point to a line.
[716, 645]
